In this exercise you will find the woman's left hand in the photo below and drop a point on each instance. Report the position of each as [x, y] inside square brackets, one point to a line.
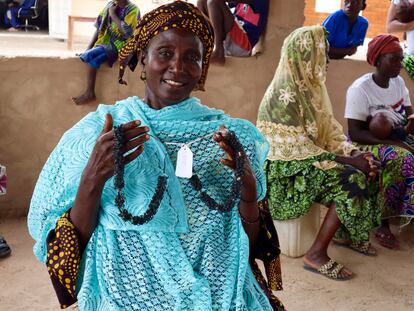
[115, 17]
[365, 162]
[248, 190]
[112, 10]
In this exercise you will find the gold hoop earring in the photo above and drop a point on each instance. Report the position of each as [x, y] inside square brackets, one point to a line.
[143, 76]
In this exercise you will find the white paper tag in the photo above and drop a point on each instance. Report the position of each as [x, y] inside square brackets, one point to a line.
[184, 167]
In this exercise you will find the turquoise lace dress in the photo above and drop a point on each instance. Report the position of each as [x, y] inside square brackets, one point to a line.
[187, 257]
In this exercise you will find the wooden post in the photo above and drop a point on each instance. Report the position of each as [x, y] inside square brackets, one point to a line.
[71, 21]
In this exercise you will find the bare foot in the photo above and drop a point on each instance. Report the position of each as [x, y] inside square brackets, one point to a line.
[217, 57]
[317, 260]
[85, 98]
[12, 29]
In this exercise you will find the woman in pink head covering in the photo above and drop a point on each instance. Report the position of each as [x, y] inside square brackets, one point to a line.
[383, 92]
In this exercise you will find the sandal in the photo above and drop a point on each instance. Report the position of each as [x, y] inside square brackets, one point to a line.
[387, 240]
[331, 270]
[364, 248]
[4, 248]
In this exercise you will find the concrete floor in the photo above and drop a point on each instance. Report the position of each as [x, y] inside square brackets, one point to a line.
[385, 282]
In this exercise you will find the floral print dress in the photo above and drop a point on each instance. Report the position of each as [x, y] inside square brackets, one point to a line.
[396, 189]
[293, 186]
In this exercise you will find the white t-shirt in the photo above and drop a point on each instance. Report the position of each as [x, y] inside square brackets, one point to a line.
[410, 35]
[364, 97]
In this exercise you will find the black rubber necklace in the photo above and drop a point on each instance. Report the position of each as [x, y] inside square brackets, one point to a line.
[239, 159]
[119, 185]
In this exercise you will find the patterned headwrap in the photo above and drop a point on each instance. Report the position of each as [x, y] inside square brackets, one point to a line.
[175, 15]
[382, 44]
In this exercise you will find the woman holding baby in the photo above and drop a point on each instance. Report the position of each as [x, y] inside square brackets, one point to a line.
[379, 112]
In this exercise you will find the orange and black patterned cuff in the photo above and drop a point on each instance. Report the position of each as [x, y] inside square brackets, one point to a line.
[267, 247]
[267, 250]
[63, 258]
[276, 304]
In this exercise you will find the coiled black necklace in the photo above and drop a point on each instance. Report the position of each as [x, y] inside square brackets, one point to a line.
[119, 185]
[239, 159]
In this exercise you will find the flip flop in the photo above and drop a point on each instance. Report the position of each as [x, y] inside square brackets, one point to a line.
[362, 248]
[331, 270]
[387, 240]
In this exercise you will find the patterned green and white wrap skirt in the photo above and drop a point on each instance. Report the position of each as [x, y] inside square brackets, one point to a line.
[293, 186]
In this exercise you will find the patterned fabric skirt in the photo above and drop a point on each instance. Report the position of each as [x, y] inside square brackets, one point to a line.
[293, 186]
[396, 193]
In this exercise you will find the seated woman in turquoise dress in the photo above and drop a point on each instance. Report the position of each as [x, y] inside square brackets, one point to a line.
[120, 228]
[310, 159]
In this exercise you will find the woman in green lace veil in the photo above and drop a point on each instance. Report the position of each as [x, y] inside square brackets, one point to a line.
[309, 159]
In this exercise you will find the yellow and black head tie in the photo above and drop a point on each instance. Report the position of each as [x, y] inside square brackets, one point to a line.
[179, 15]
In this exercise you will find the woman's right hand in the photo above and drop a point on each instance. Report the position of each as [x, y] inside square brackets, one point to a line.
[100, 166]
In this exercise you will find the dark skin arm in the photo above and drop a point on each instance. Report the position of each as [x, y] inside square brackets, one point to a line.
[248, 208]
[100, 167]
[364, 161]
[339, 53]
[93, 39]
[115, 18]
[393, 25]
[359, 132]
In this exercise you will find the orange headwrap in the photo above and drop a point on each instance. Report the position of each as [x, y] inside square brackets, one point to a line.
[382, 44]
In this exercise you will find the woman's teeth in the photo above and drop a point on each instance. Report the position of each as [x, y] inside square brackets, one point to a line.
[174, 83]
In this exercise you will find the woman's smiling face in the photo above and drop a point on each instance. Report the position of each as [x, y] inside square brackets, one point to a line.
[173, 67]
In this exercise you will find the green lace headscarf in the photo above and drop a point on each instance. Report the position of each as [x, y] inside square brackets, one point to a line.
[295, 114]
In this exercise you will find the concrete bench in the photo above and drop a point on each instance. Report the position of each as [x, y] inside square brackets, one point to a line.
[297, 235]
[71, 21]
